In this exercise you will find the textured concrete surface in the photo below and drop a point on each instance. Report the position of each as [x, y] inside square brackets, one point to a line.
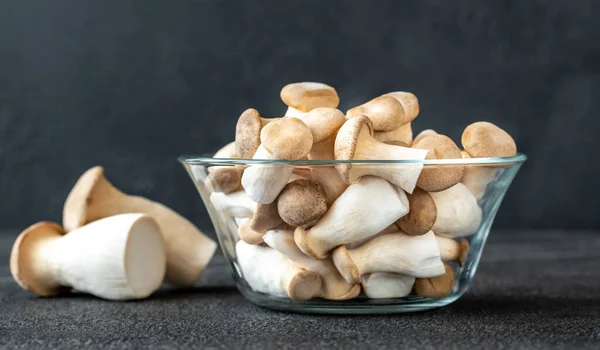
[131, 85]
[533, 290]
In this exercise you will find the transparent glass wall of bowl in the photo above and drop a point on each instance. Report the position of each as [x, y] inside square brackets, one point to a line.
[502, 170]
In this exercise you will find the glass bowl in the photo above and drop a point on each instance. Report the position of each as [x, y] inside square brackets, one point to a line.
[270, 285]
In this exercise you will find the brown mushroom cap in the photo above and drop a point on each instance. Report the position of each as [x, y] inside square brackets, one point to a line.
[30, 273]
[307, 96]
[422, 134]
[302, 203]
[305, 285]
[323, 122]
[436, 287]
[464, 251]
[248, 235]
[86, 198]
[436, 178]
[385, 112]
[409, 102]
[422, 214]
[345, 265]
[247, 133]
[483, 139]
[346, 141]
[225, 179]
[287, 138]
[266, 217]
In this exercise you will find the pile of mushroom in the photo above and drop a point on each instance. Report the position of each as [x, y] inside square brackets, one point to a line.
[111, 245]
[332, 231]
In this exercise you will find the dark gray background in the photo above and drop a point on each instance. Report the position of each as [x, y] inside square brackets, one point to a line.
[133, 84]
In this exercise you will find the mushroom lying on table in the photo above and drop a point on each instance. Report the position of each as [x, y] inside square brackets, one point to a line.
[287, 139]
[363, 210]
[417, 256]
[268, 271]
[305, 96]
[188, 250]
[117, 258]
[354, 141]
[334, 286]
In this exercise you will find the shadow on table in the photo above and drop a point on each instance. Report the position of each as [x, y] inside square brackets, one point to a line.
[474, 306]
[165, 293]
[171, 293]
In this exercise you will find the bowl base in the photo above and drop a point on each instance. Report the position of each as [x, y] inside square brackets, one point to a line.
[358, 306]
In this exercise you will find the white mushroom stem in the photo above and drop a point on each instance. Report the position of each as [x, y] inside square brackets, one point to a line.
[227, 151]
[268, 271]
[236, 204]
[221, 178]
[477, 177]
[364, 209]
[263, 182]
[120, 257]
[451, 250]
[404, 176]
[390, 229]
[382, 285]
[403, 134]
[330, 179]
[199, 172]
[300, 174]
[334, 287]
[293, 112]
[326, 175]
[417, 256]
[458, 214]
[188, 250]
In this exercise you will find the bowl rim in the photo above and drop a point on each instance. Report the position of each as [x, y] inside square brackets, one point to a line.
[203, 160]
